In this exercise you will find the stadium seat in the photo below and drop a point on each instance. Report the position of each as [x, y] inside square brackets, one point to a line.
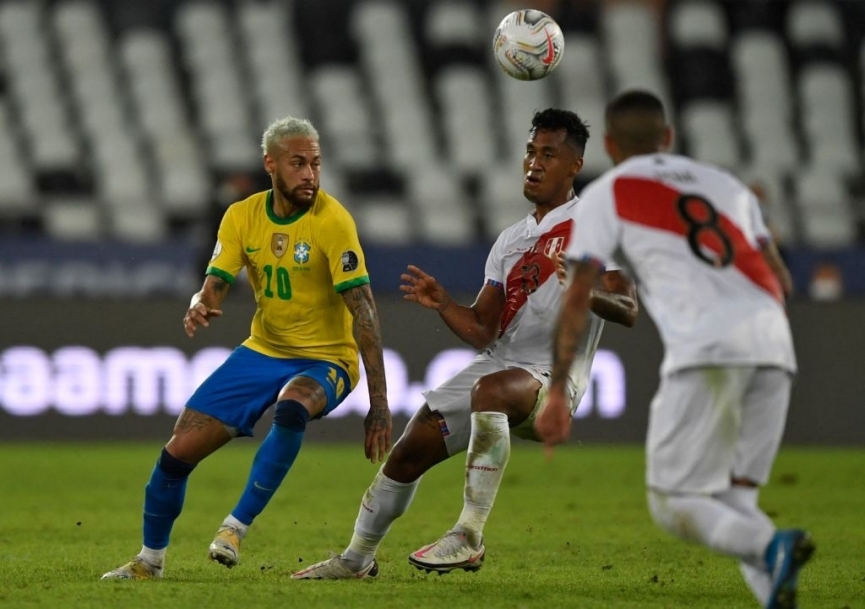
[827, 216]
[468, 129]
[502, 201]
[862, 91]
[154, 91]
[454, 23]
[36, 89]
[761, 65]
[347, 122]
[137, 223]
[711, 133]
[389, 54]
[828, 117]
[385, 220]
[631, 33]
[17, 191]
[814, 23]
[270, 41]
[581, 79]
[765, 98]
[150, 104]
[217, 88]
[184, 187]
[698, 23]
[73, 219]
[183, 183]
[773, 145]
[121, 177]
[445, 214]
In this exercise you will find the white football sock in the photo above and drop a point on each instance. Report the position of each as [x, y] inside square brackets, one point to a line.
[486, 459]
[713, 523]
[231, 521]
[154, 557]
[745, 500]
[383, 502]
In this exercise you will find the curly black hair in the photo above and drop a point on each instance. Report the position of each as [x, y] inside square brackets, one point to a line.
[553, 119]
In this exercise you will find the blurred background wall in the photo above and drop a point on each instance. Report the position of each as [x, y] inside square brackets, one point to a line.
[127, 127]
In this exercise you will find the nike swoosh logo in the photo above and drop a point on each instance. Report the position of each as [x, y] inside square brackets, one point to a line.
[257, 485]
[550, 51]
[252, 250]
[423, 551]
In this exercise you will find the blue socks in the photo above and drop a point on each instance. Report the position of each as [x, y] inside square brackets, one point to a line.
[274, 458]
[163, 499]
[164, 494]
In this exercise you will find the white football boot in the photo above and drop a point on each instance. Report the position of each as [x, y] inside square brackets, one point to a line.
[453, 551]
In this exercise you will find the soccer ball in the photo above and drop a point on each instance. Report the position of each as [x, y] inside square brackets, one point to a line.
[528, 44]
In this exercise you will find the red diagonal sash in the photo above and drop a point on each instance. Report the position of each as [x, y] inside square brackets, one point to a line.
[533, 269]
[654, 205]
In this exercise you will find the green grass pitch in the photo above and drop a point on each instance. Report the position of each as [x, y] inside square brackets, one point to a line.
[570, 532]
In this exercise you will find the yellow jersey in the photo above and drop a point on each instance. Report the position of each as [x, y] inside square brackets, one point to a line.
[297, 266]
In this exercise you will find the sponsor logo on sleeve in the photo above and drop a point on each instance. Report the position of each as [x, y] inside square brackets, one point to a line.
[350, 261]
[217, 250]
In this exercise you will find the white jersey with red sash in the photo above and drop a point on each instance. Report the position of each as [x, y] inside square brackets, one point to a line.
[521, 261]
[692, 234]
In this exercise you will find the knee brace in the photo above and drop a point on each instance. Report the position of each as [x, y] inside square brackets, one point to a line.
[291, 414]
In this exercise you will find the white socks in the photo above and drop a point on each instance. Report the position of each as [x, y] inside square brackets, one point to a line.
[713, 523]
[231, 521]
[744, 499]
[487, 456]
[384, 501]
[153, 557]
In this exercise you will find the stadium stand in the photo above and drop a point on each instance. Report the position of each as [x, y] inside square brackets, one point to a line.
[120, 120]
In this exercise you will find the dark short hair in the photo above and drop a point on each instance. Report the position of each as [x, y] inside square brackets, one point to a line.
[636, 122]
[553, 119]
[634, 101]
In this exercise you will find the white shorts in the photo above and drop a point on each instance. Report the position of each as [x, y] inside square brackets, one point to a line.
[452, 400]
[709, 424]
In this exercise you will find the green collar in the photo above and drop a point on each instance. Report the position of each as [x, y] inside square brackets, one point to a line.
[268, 205]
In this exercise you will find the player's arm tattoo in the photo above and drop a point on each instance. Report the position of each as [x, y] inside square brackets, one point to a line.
[615, 299]
[214, 290]
[219, 285]
[367, 331]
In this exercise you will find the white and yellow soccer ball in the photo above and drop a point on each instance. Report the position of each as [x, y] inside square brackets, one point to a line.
[528, 44]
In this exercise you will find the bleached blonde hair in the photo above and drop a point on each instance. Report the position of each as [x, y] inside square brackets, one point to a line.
[286, 127]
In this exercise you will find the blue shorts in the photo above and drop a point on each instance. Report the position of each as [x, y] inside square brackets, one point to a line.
[247, 383]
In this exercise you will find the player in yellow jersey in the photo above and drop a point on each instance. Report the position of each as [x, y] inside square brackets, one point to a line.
[315, 311]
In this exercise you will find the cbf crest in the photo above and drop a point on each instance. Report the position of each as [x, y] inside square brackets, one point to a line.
[278, 244]
[301, 252]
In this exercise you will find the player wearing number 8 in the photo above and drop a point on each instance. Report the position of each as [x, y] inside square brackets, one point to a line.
[302, 255]
[710, 277]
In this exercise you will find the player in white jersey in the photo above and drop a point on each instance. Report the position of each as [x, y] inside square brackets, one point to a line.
[511, 323]
[714, 284]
